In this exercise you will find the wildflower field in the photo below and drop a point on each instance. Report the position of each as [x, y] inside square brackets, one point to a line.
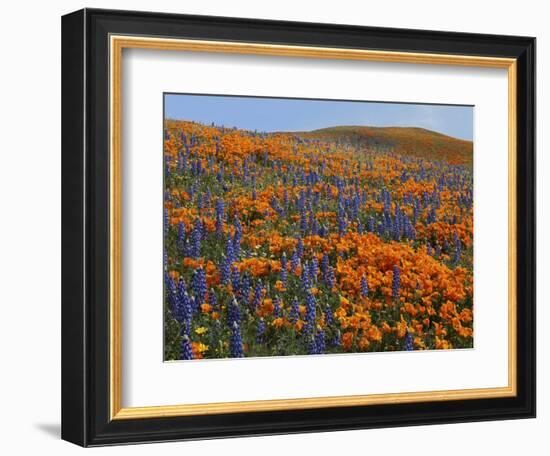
[342, 240]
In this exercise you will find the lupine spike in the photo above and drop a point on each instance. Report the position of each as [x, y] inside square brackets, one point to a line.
[258, 293]
[300, 248]
[186, 350]
[284, 266]
[364, 287]
[235, 280]
[276, 307]
[329, 319]
[396, 282]
[313, 269]
[458, 249]
[294, 262]
[260, 331]
[408, 341]
[294, 311]
[199, 286]
[236, 341]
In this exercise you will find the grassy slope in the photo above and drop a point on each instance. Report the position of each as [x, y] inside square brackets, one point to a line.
[414, 142]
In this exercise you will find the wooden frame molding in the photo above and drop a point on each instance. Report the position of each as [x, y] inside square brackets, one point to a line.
[116, 46]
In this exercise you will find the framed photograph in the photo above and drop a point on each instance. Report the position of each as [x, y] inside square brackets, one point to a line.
[278, 227]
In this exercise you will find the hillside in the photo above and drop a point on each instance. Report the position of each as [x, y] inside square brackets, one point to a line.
[407, 141]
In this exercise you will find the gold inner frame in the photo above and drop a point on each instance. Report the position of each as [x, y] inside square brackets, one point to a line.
[117, 44]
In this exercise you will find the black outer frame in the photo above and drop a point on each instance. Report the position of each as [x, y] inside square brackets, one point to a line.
[85, 227]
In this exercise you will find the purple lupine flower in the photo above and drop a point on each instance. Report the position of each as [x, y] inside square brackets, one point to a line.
[371, 225]
[316, 345]
[312, 221]
[329, 278]
[341, 221]
[294, 262]
[415, 212]
[236, 342]
[276, 307]
[324, 264]
[229, 252]
[186, 306]
[458, 249]
[233, 312]
[244, 291]
[300, 248]
[301, 202]
[186, 350]
[235, 280]
[171, 291]
[192, 190]
[225, 271]
[277, 207]
[313, 269]
[246, 173]
[258, 293]
[364, 287]
[182, 163]
[432, 216]
[320, 345]
[329, 318]
[284, 264]
[314, 227]
[396, 228]
[285, 197]
[200, 202]
[396, 282]
[196, 168]
[303, 223]
[178, 307]
[260, 331]
[213, 300]
[237, 238]
[220, 216]
[294, 311]
[199, 286]
[410, 231]
[166, 222]
[408, 341]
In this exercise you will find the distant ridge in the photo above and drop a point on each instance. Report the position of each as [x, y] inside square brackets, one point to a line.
[409, 141]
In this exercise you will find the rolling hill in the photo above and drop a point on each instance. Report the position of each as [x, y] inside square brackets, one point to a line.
[408, 141]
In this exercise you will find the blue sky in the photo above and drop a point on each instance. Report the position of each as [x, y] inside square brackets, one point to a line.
[282, 114]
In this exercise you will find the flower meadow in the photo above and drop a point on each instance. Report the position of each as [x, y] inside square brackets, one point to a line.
[341, 240]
